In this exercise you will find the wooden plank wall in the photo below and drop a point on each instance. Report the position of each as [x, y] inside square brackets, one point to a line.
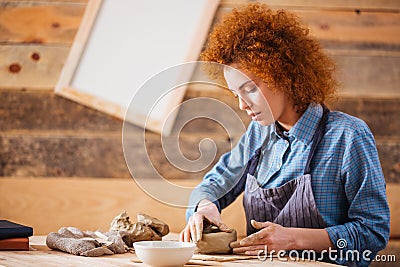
[44, 137]
[357, 34]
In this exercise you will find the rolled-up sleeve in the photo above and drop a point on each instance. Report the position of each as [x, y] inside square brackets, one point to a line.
[367, 229]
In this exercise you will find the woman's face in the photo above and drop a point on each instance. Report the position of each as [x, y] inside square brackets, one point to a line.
[255, 96]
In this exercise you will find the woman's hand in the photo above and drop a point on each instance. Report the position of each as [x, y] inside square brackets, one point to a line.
[272, 235]
[207, 213]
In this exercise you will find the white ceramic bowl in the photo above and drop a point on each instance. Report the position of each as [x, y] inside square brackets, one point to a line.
[164, 253]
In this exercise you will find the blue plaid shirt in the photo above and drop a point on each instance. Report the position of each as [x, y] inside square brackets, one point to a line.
[347, 179]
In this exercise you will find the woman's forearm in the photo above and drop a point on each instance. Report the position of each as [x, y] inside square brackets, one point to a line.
[311, 239]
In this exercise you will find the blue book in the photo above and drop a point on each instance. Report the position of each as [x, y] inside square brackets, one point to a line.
[12, 230]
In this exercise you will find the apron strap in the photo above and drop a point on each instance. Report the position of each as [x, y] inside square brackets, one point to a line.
[253, 162]
[238, 188]
[319, 133]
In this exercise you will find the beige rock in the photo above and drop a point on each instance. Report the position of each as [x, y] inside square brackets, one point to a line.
[215, 241]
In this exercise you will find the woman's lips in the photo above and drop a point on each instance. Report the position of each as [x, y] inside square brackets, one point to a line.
[255, 116]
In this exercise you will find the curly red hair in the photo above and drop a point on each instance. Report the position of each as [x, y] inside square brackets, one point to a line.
[275, 46]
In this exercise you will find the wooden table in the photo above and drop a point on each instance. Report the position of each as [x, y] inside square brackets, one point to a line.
[41, 255]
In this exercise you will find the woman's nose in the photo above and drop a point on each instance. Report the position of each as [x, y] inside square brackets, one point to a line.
[242, 104]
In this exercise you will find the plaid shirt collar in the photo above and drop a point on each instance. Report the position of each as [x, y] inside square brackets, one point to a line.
[305, 127]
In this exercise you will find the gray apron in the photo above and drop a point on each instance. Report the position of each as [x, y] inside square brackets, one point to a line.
[290, 205]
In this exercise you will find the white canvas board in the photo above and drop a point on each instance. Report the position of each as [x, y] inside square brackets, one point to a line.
[123, 43]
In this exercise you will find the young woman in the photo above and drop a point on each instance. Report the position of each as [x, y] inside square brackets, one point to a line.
[311, 177]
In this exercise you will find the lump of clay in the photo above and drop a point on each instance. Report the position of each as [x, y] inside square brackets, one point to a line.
[141, 232]
[215, 241]
[147, 228]
[159, 226]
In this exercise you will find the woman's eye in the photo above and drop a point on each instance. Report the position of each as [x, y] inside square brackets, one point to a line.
[251, 89]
